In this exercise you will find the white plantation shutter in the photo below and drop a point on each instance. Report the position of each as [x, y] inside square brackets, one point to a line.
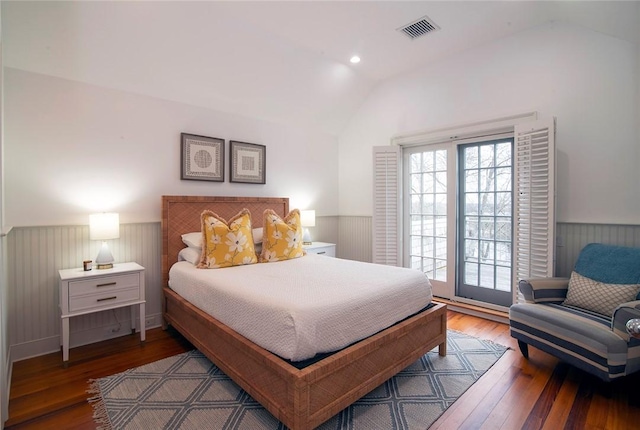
[386, 206]
[534, 232]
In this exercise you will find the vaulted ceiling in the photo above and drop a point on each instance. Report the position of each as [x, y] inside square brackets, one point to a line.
[280, 61]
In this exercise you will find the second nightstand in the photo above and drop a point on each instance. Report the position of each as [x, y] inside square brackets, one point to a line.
[84, 292]
[323, 248]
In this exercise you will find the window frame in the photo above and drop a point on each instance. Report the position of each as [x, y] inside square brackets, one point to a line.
[517, 124]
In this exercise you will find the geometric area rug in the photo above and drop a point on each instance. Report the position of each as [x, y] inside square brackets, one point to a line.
[187, 391]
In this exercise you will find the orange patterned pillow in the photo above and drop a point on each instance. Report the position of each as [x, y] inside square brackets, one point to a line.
[226, 244]
[282, 238]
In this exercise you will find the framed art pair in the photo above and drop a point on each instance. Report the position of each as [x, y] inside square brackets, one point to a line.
[202, 159]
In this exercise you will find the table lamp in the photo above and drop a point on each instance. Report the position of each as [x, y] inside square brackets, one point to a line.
[104, 226]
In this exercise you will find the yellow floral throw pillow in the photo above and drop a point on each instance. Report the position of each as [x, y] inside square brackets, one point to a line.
[282, 238]
[226, 244]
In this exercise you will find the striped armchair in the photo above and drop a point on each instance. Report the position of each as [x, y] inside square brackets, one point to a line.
[582, 320]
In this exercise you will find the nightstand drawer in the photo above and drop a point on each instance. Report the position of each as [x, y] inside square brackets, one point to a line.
[321, 248]
[103, 284]
[108, 298]
[329, 251]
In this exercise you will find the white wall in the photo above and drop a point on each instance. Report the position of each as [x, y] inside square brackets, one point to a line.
[72, 149]
[638, 92]
[5, 359]
[588, 80]
[4, 339]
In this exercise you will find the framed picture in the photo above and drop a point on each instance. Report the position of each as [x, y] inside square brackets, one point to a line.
[202, 158]
[248, 162]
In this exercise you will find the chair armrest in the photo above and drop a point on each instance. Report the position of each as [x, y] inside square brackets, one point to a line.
[543, 290]
[623, 313]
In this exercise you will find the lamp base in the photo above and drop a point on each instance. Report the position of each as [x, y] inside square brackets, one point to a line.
[104, 260]
[306, 237]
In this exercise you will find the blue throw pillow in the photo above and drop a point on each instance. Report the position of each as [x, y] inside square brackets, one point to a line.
[609, 264]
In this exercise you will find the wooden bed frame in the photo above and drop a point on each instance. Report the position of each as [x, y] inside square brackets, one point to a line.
[300, 398]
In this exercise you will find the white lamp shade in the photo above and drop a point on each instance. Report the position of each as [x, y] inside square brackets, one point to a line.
[308, 218]
[104, 226]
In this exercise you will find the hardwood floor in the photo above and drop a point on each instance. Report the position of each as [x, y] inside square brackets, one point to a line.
[539, 393]
[45, 395]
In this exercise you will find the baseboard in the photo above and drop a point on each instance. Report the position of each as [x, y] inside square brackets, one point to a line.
[475, 310]
[6, 390]
[51, 344]
[23, 351]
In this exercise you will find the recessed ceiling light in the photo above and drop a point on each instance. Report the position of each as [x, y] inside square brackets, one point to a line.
[355, 59]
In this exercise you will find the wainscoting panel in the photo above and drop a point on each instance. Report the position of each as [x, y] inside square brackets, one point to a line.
[354, 238]
[35, 254]
[572, 237]
[326, 230]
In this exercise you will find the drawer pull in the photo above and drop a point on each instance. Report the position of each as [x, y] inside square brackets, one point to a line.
[106, 285]
[107, 298]
[322, 252]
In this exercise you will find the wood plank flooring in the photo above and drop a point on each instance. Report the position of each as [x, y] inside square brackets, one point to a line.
[539, 393]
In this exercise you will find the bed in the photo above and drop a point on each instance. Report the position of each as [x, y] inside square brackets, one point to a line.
[302, 398]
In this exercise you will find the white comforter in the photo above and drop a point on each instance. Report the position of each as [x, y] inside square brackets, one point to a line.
[298, 308]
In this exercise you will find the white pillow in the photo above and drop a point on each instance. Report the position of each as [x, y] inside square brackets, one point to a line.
[191, 254]
[257, 235]
[193, 239]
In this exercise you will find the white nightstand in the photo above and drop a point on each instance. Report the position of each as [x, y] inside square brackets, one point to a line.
[99, 290]
[323, 248]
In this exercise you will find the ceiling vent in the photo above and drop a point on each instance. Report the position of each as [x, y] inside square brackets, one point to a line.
[419, 28]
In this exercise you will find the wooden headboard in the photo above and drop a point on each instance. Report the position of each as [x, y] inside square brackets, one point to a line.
[181, 214]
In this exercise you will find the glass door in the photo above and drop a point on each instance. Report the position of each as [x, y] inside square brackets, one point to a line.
[429, 181]
[485, 214]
